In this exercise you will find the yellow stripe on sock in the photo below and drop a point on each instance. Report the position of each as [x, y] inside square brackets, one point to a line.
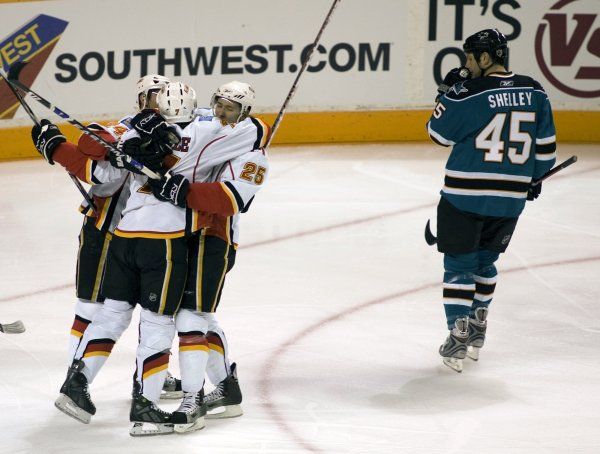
[216, 348]
[98, 353]
[155, 370]
[193, 347]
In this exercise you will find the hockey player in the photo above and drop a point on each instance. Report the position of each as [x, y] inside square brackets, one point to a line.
[502, 134]
[219, 190]
[147, 264]
[109, 199]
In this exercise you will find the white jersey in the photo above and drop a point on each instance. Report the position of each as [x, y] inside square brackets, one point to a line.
[241, 178]
[110, 196]
[205, 145]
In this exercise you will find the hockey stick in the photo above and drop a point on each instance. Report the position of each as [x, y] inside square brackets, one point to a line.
[12, 328]
[35, 119]
[304, 65]
[13, 78]
[431, 239]
[558, 168]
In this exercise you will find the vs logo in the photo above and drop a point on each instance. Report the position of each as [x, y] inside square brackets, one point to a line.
[565, 58]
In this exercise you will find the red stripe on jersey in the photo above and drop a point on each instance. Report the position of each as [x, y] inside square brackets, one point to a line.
[211, 198]
[92, 149]
[200, 155]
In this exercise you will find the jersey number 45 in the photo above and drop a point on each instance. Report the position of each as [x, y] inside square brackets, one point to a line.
[490, 140]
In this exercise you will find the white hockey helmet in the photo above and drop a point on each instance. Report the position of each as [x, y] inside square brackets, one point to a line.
[238, 92]
[177, 102]
[148, 83]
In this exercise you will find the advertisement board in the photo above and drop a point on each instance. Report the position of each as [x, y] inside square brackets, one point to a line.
[373, 76]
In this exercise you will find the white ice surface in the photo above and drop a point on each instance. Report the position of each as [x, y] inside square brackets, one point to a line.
[333, 313]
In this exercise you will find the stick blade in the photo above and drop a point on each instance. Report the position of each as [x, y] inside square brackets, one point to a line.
[13, 328]
[429, 237]
[15, 70]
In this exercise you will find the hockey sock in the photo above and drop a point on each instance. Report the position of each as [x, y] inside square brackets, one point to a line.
[101, 335]
[193, 349]
[459, 285]
[218, 367]
[84, 313]
[152, 359]
[485, 281]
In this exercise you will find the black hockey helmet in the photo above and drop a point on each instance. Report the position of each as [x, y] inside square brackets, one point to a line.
[489, 40]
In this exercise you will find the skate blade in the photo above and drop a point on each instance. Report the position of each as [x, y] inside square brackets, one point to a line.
[68, 407]
[185, 428]
[454, 363]
[473, 353]
[147, 429]
[171, 395]
[231, 411]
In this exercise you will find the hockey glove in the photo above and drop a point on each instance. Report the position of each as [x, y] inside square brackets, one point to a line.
[453, 77]
[123, 161]
[171, 188]
[150, 124]
[534, 191]
[145, 153]
[46, 137]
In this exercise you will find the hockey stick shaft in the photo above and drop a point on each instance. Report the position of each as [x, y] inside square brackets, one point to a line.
[25, 106]
[65, 116]
[558, 168]
[35, 119]
[431, 239]
[304, 66]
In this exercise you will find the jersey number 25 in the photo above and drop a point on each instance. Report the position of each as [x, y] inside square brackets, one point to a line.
[490, 138]
[252, 172]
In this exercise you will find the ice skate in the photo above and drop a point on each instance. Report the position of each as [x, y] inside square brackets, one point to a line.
[171, 388]
[190, 414]
[224, 401]
[477, 328]
[454, 349]
[74, 399]
[148, 419]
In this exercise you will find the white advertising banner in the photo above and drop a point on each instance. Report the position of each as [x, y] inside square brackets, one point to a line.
[86, 56]
[557, 42]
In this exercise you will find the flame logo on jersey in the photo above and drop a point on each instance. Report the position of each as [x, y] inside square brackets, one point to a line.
[33, 42]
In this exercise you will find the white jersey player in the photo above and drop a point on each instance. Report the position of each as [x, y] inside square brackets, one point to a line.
[147, 263]
[229, 167]
[109, 198]
[92, 351]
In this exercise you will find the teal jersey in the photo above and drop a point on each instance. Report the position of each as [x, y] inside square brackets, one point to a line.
[502, 135]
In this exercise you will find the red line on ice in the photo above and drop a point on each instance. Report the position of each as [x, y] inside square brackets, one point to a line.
[266, 380]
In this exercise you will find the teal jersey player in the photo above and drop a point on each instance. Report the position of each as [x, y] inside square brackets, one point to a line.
[502, 135]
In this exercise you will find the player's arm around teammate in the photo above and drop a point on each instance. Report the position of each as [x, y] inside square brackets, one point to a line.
[226, 189]
[150, 271]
